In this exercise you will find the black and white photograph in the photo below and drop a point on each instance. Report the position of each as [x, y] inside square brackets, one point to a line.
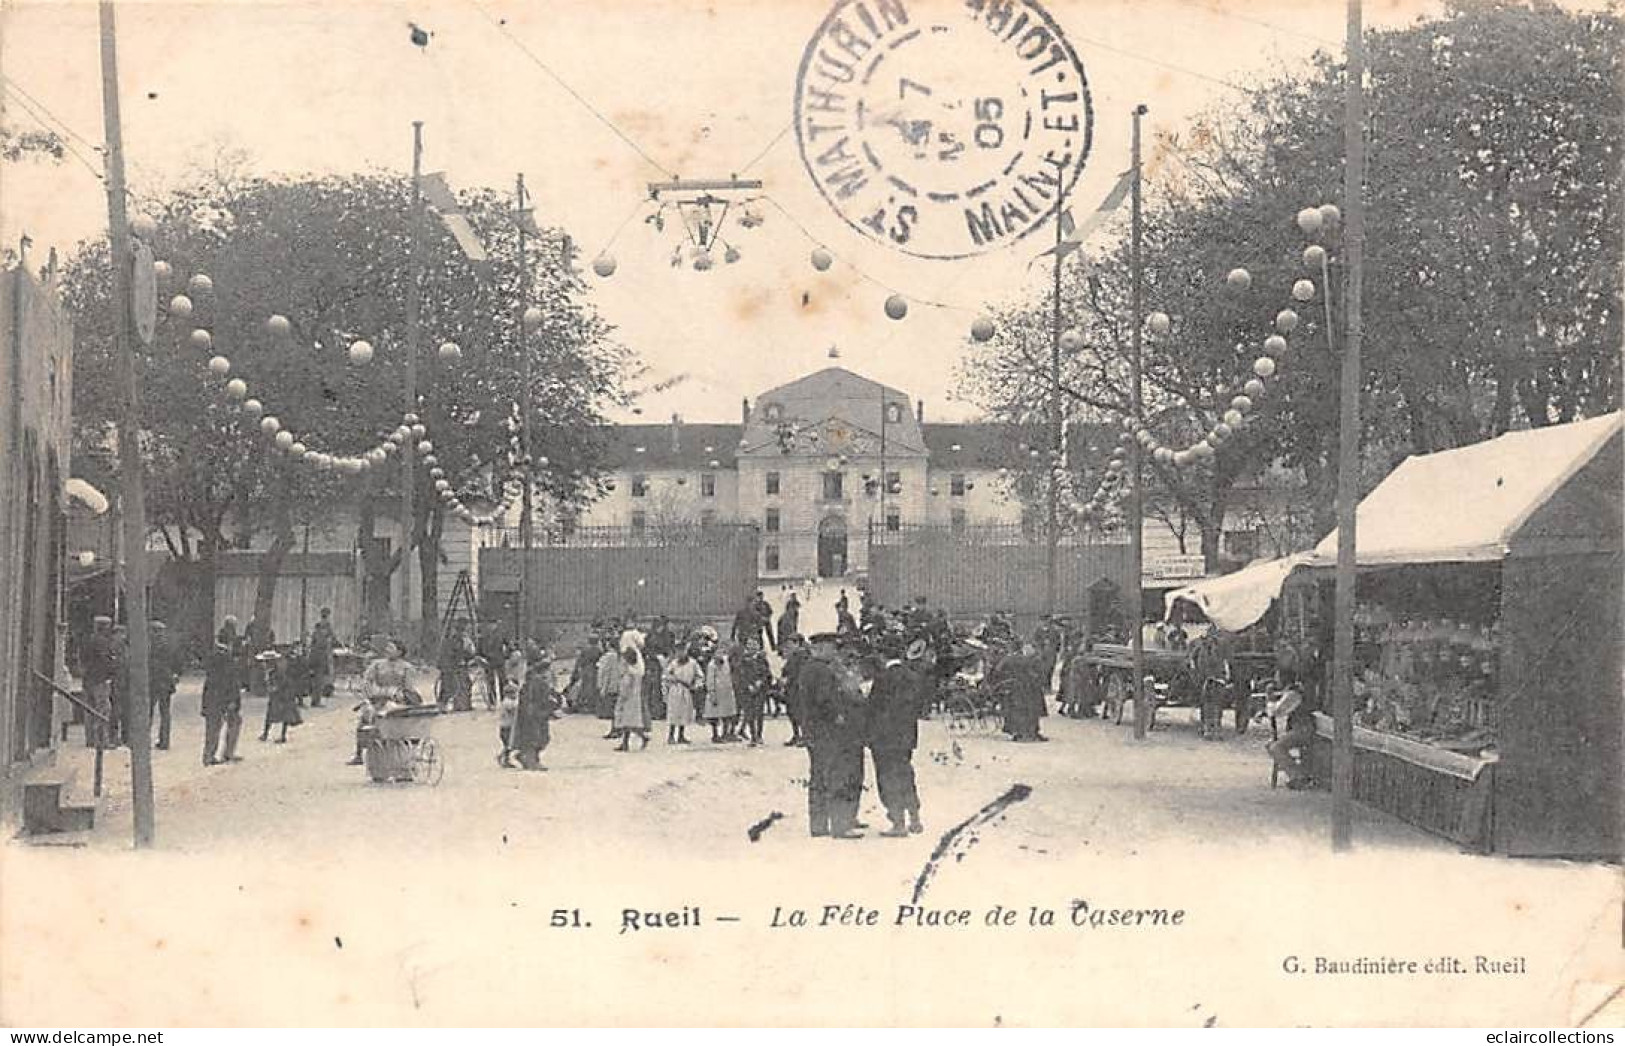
[814, 513]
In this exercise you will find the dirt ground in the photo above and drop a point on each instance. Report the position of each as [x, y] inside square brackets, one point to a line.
[288, 889]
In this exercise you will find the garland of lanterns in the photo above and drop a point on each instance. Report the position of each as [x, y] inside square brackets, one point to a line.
[411, 427]
[1311, 221]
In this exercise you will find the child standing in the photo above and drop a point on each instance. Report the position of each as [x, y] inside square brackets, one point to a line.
[683, 676]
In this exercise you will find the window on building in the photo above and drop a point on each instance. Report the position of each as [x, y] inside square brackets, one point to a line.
[640, 486]
[773, 412]
[894, 520]
[708, 517]
[772, 521]
[956, 485]
[833, 485]
[708, 486]
[640, 521]
[567, 522]
[770, 558]
[894, 482]
[956, 520]
[772, 483]
[894, 414]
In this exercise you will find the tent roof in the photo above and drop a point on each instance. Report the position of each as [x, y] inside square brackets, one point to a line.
[1466, 505]
[1237, 601]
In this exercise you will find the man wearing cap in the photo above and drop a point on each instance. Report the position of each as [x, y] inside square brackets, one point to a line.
[894, 733]
[830, 701]
[163, 669]
[223, 676]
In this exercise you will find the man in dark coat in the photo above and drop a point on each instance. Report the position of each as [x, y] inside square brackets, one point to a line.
[1018, 682]
[795, 659]
[222, 697]
[764, 619]
[893, 734]
[831, 702]
[163, 671]
[532, 722]
[789, 621]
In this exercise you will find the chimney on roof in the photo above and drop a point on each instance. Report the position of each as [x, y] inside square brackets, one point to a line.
[744, 411]
[919, 411]
[676, 433]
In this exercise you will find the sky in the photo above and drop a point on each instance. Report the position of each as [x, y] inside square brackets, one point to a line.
[592, 101]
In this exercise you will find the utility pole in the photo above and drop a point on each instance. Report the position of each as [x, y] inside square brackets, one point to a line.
[1136, 500]
[1053, 535]
[1348, 449]
[414, 304]
[133, 510]
[527, 505]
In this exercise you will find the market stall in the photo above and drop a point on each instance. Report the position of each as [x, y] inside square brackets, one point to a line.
[1487, 628]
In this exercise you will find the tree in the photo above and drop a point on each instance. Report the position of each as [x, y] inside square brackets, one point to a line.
[1493, 270]
[332, 256]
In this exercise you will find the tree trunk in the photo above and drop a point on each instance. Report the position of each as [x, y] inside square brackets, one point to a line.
[434, 526]
[271, 570]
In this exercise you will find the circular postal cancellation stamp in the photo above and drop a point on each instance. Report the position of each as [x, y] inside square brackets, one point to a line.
[942, 128]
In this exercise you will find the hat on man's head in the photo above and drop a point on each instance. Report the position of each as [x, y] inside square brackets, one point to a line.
[824, 637]
[916, 650]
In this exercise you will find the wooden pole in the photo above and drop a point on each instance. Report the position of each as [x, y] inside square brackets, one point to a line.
[1348, 452]
[527, 505]
[1052, 461]
[1136, 508]
[414, 304]
[133, 509]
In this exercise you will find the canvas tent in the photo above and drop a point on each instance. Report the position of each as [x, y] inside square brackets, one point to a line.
[1533, 521]
[1238, 601]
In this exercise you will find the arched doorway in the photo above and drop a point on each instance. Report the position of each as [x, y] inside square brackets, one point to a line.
[832, 547]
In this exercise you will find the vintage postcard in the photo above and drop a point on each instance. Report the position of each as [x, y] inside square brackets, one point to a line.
[900, 513]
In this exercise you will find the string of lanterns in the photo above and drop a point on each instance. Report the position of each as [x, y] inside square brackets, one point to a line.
[1237, 416]
[300, 449]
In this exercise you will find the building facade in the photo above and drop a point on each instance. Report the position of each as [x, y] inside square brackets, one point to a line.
[815, 465]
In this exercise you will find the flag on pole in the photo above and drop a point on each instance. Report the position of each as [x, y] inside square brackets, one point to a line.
[437, 193]
[1073, 234]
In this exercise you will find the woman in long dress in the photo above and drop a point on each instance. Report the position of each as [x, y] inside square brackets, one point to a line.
[631, 714]
[683, 677]
[721, 706]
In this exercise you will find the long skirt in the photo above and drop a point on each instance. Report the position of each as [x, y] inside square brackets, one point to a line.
[631, 713]
[679, 705]
[653, 691]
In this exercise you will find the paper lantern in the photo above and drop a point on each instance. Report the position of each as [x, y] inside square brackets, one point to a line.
[437, 473]
[297, 449]
[389, 447]
[237, 388]
[1071, 341]
[532, 318]
[1202, 449]
[409, 418]
[1263, 366]
[1254, 388]
[1304, 290]
[449, 350]
[822, 259]
[161, 269]
[1182, 458]
[283, 440]
[441, 484]
[1275, 345]
[1314, 256]
[360, 352]
[981, 329]
[253, 408]
[425, 447]
[200, 284]
[1232, 417]
[1164, 455]
[201, 339]
[896, 306]
[180, 306]
[1310, 220]
[429, 461]
[1330, 216]
[142, 225]
[269, 425]
[1223, 429]
[418, 431]
[377, 456]
[219, 366]
[1158, 323]
[604, 265]
[1239, 279]
[1286, 321]
[278, 325]
[703, 261]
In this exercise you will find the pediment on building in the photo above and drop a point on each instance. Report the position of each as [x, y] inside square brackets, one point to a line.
[830, 436]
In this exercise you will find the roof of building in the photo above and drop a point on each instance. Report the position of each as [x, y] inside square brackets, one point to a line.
[1468, 504]
[671, 446]
[835, 395]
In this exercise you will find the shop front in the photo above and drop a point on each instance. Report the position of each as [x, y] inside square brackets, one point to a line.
[1487, 642]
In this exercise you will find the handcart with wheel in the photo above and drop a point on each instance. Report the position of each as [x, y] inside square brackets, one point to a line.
[402, 748]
